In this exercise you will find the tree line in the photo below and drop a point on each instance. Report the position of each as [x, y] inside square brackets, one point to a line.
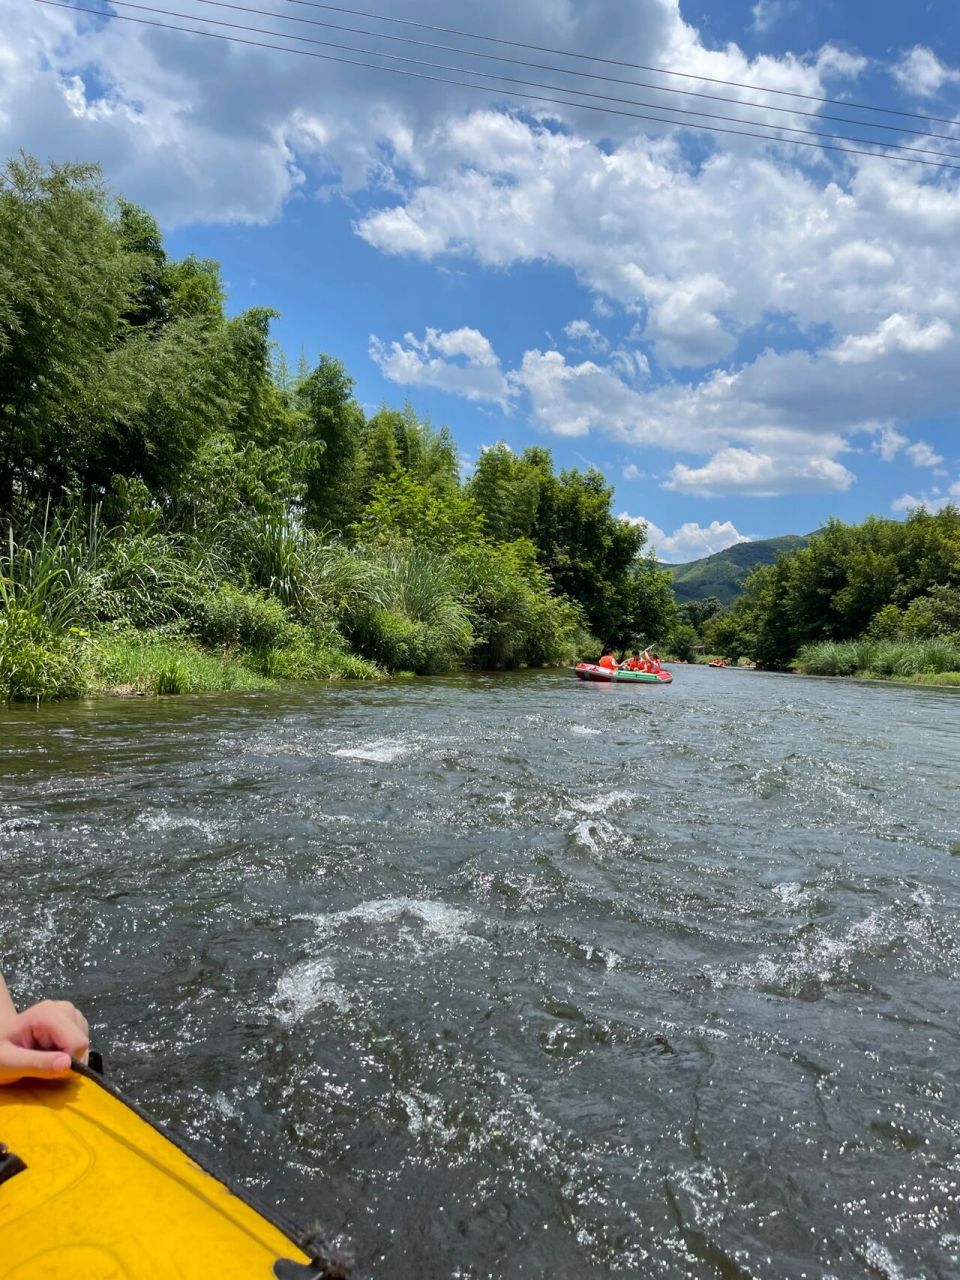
[882, 596]
[163, 470]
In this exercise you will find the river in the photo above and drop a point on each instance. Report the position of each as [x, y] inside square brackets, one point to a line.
[510, 975]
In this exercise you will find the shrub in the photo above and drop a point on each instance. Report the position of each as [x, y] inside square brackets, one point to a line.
[229, 618]
[36, 663]
[515, 617]
[308, 660]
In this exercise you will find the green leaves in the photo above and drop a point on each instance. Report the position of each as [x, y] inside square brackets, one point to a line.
[884, 579]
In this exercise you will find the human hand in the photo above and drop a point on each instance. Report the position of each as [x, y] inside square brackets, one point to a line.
[41, 1041]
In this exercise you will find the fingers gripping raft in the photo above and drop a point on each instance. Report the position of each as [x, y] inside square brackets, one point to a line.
[91, 1190]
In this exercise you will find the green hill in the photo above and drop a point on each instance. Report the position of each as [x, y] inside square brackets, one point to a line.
[723, 574]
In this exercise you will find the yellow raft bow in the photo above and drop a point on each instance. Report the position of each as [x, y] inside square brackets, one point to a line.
[90, 1189]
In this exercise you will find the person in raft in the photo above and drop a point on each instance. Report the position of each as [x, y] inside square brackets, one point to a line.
[40, 1041]
[635, 662]
[651, 662]
[607, 660]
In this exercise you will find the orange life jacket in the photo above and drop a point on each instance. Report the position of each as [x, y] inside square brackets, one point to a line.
[608, 661]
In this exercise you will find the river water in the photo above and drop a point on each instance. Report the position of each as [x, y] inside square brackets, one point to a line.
[511, 975]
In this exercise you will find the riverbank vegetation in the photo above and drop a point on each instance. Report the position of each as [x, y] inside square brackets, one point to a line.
[881, 599]
[182, 511]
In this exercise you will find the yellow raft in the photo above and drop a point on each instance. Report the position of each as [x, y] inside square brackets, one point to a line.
[91, 1190]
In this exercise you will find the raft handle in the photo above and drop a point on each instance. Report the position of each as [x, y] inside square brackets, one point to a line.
[10, 1164]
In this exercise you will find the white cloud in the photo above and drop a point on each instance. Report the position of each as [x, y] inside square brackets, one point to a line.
[631, 365]
[575, 399]
[923, 455]
[742, 471]
[854, 256]
[683, 321]
[921, 72]
[583, 332]
[460, 361]
[861, 267]
[936, 500]
[891, 442]
[836, 63]
[894, 334]
[632, 472]
[767, 13]
[691, 541]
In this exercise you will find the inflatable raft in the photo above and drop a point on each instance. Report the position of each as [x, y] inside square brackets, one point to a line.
[92, 1190]
[591, 671]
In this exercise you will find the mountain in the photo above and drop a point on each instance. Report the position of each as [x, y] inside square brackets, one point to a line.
[723, 574]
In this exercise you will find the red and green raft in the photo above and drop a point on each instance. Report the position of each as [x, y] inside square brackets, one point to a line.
[591, 671]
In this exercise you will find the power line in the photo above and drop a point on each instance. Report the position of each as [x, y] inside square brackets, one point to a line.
[569, 71]
[615, 62]
[481, 88]
[528, 84]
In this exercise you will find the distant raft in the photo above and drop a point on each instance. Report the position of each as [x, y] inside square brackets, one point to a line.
[591, 671]
[90, 1189]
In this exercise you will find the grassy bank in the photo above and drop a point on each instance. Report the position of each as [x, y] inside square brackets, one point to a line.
[935, 661]
[87, 609]
[46, 666]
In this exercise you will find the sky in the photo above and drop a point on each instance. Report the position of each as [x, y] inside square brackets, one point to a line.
[745, 336]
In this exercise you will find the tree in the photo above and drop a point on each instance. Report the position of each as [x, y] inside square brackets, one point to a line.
[697, 612]
[683, 641]
[333, 426]
[403, 508]
[65, 284]
[585, 549]
[506, 488]
[381, 456]
[141, 240]
[653, 615]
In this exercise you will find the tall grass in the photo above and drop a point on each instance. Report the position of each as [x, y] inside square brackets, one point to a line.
[151, 662]
[42, 572]
[892, 657]
[73, 570]
[85, 605]
[410, 617]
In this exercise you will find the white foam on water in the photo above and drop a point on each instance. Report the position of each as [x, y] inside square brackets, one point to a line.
[307, 986]
[584, 731]
[880, 1260]
[594, 835]
[224, 1106]
[419, 926]
[821, 957]
[165, 821]
[583, 832]
[425, 1116]
[380, 751]
[792, 894]
[442, 923]
[598, 804]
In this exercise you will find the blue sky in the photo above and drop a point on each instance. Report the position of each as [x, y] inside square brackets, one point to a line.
[746, 337]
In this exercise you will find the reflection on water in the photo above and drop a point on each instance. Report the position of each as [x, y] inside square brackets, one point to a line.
[515, 975]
